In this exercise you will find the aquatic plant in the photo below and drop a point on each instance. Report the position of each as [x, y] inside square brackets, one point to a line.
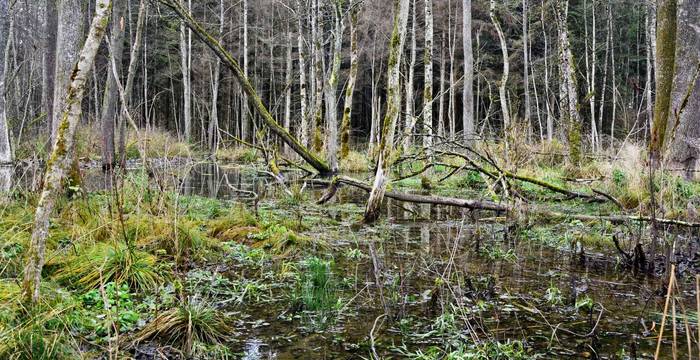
[104, 263]
[183, 326]
[317, 286]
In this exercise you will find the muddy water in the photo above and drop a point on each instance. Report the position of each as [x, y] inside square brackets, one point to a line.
[435, 260]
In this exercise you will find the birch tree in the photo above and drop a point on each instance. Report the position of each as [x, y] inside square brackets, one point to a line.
[303, 131]
[61, 153]
[214, 113]
[505, 113]
[409, 121]
[49, 60]
[185, 63]
[331, 90]
[468, 93]
[568, 89]
[428, 73]
[5, 150]
[385, 147]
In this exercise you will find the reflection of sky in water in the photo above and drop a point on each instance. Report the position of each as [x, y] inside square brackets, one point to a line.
[253, 350]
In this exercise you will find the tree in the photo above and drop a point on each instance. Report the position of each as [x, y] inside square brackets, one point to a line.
[62, 151]
[568, 96]
[68, 40]
[666, 55]
[214, 114]
[505, 112]
[331, 90]
[185, 65]
[49, 59]
[5, 150]
[684, 136]
[393, 89]
[110, 98]
[468, 93]
[428, 83]
[346, 123]
[410, 121]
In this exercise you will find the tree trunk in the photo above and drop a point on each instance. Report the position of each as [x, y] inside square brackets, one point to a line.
[666, 52]
[410, 120]
[526, 61]
[396, 45]
[214, 114]
[468, 93]
[428, 83]
[5, 149]
[49, 57]
[131, 73]
[346, 123]
[287, 122]
[332, 88]
[185, 48]
[68, 37]
[228, 60]
[303, 131]
[61, 154]
[684, 136]
[569, 95]
[245, 116]
[550, 116]
[318, 76]
[605, 79]
[110, 98]
[506, 70]
[441, 101]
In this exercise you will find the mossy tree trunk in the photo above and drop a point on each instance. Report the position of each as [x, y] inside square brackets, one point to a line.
[346, 123]
[684, 135]
[252, 96]
[666, 55]
[410, 120]
[569, 95]
[60, 159]
[385, 147]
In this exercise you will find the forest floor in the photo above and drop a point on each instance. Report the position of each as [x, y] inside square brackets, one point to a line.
[218, 260]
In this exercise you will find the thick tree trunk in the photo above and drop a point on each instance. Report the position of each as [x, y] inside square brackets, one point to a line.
[666, 52]
[110, 98]
[506, 70]
[684, 135]
[61, 154]
[468, 93]
[68, 38]
[130, 75]
[428, 73]
[346, 123]
[5, 149]
[569, 94]
[396, 45]
[228, 60]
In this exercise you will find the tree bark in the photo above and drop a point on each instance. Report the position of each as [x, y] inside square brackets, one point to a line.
[228, 60]
[185, 56]
[245, 112]
[287, 122]
[61, 154]
[346, 123]
[49, 60]
[684, 136]
[332, 88]
[68, 37]
[214, 114]
[5, 149]
[468, 93]
[506, 70]
[526, 61]
[303, 131]
[428, 73]
[666, 52]
[396, 46]
[569, 94]
[110, 98]
[410, 120]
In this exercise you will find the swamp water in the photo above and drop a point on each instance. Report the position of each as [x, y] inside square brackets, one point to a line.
[447, 280]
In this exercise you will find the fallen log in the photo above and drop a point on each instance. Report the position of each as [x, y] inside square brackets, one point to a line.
[253, 98]
[487, 205]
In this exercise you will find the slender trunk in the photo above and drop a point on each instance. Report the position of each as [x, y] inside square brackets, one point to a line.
[605, 80]
[110, 98]
[613, 79]
[5, 150]
[49, 70]
[214, 114]
[410, 120]
[332, 89]
[346, 123]
[61, 154]
[245, 116]
[318, 76]
[468, 93]
[441, 101]
[385, 147]
[303, 130]
[130, 75]
[550, 117]
[428, 83]
[288, 92]
[506, 70]
[649, 67]
[526, 61]
[186, 84]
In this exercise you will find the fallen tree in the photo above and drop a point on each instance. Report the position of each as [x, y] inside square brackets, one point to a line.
[253, 98]
[487, 205]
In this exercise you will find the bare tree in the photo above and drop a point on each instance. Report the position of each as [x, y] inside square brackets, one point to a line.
[5, 149]
[505, 112]
[428, 83]
[61, 154]
[346, 123]
[468, 93]
[110, 97]
[385, 148]
[410, 121]
[214, 113]
[185, 64]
